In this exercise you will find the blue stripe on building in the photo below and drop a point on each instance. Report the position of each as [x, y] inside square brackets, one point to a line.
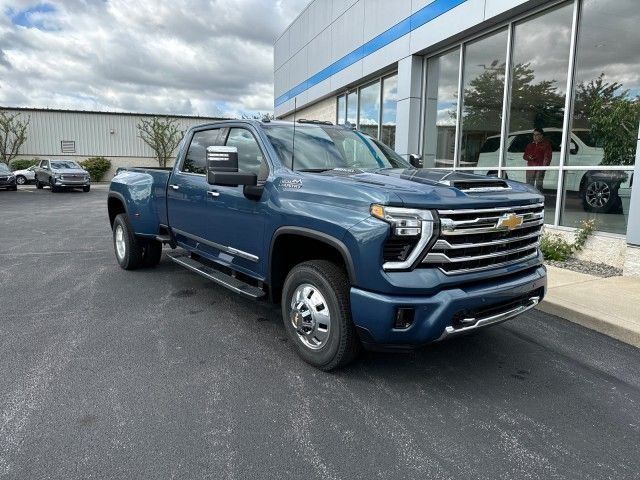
[418, 19]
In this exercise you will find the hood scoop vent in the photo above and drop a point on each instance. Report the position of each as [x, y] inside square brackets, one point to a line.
[476, 185]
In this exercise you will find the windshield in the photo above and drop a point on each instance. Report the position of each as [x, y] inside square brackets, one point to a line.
[321, 148]
[4, 168]
[64, 164]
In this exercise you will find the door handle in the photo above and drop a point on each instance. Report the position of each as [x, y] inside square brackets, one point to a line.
[213, 193]
[174, 186]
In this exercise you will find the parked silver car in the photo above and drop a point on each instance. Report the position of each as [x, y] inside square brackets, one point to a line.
[26, 176]
[62, 174]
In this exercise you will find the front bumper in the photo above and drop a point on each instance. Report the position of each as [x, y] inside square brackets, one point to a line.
[448, 313]
[8, 183]
[71, 183]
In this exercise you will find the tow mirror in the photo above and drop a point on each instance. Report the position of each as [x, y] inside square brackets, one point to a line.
[222, 168]
[573, 148]
[415, 160]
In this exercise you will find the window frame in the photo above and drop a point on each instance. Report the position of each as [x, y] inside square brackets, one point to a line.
[183, 156]
[562, 168]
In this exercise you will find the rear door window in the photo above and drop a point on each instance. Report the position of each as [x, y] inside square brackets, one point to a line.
[195, 161]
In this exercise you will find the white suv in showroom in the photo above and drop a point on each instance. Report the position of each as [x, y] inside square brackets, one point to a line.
[598, 189]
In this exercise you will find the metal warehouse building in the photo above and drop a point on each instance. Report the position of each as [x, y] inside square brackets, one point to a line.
[464, 84]
[82, 134]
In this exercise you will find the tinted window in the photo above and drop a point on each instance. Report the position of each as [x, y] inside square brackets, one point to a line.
[490, 145]
[586, 138]
[555, 139]
[520, 143]
[250, 159]
[196, 159]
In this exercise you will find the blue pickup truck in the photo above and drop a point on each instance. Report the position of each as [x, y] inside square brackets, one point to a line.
[360, 247]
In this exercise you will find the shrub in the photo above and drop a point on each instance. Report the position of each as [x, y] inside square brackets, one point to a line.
[23, 164]
[555, 247]
[97, 167]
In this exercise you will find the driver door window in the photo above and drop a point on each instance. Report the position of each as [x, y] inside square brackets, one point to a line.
[250, 158]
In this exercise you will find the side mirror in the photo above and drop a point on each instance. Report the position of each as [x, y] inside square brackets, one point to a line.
[416, 160]
[222, 168]
[573, 148]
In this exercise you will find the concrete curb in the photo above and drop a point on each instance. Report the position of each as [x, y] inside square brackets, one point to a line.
[588, 320]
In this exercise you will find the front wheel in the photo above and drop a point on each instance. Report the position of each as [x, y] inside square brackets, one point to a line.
[38, 184]
[86, 189]
[317, 314]
[128, 250]
[599, 196]
[52, 185]
[21, 180]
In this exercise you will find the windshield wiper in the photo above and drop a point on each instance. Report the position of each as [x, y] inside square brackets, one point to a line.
[314, 170]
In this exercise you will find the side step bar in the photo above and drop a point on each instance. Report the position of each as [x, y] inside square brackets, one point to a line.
[221, 278]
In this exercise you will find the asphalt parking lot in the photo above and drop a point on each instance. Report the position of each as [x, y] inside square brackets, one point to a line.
[160, 374]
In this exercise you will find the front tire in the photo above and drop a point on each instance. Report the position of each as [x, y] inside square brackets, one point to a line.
[86, 189]
[316, 312]
[52, 186]
[599, 196]
[21, 180]
[38, 184]
[128, 250]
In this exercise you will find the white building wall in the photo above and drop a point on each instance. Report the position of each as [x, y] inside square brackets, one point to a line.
[316, 40]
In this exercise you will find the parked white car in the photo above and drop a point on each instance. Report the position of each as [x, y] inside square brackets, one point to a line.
[598, 189]
[26, 176]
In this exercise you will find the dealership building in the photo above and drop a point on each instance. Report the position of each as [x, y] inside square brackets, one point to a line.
[464, 83]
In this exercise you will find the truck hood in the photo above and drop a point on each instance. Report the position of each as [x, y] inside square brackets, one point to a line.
[425, 188]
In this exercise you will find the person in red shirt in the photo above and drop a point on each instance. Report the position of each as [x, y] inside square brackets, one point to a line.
[537, 154]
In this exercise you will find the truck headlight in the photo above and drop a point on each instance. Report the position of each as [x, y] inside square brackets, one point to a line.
[411, 231]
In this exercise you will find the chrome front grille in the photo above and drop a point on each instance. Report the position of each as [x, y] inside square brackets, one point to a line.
[473, 240]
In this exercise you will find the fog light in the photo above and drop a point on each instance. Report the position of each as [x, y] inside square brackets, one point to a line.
[404, 318]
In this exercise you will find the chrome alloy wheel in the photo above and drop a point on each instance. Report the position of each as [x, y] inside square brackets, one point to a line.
[310, 316]
[121, 247]
[598, 194]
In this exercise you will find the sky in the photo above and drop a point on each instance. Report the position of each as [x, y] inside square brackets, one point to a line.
[196, 57]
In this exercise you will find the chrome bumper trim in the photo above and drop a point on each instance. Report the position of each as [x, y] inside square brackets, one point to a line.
[475, 323]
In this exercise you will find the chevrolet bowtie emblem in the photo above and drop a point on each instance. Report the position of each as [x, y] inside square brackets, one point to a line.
[509, 221]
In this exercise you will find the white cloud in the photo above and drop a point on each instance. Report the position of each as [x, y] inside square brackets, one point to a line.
[194, 57]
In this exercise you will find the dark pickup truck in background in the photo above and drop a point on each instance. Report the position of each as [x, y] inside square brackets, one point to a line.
[358, 246]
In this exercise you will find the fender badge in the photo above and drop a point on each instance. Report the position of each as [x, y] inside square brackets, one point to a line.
[291, 183]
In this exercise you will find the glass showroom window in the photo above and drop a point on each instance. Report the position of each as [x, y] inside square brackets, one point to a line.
[369, 111]
[352, 108]
[483, 91]
[389, 107]
[342, 110]
[539, 69]
[606, 110]
[367, 115]
[441, 109]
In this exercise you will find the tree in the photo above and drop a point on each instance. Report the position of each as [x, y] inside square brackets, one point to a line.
[532, 104]
[162, 135]
[258, 116]
[13, 134]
